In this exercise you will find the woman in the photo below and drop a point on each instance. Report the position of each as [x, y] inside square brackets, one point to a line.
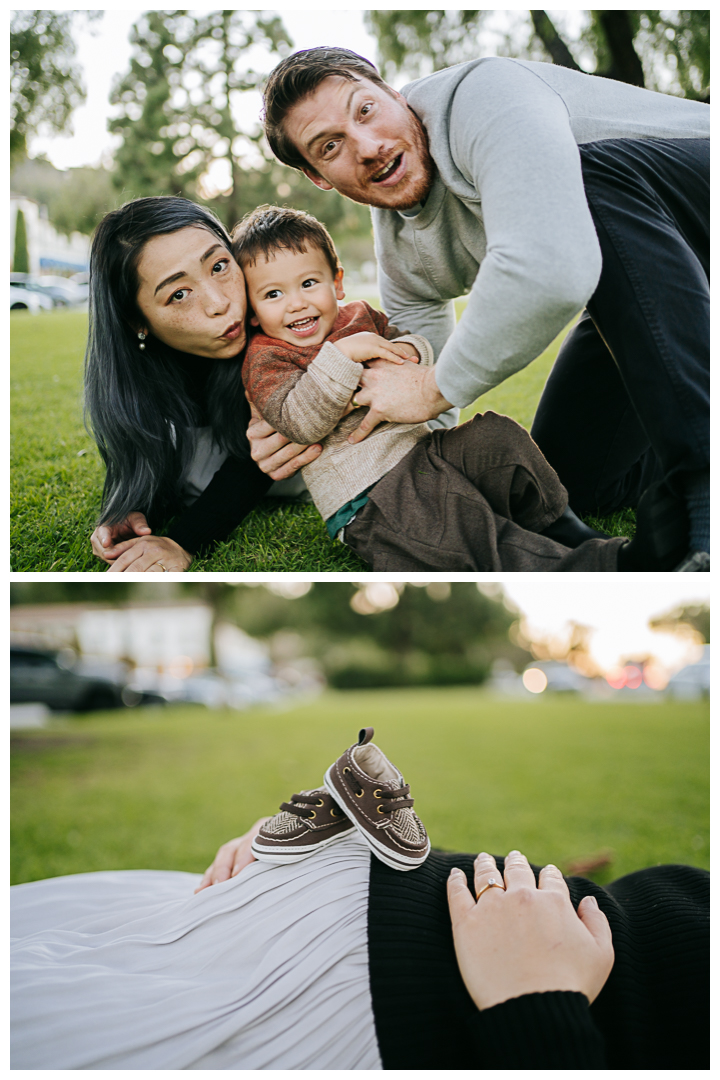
[339, 961]
[163, 388]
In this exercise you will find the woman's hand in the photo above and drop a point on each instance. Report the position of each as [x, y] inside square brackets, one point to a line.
[275, 455]
[149, 555]
[526, 939]
[231, 857]
[104, 539]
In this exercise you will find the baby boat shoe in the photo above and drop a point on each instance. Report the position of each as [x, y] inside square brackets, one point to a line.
[310, 821]
[377, 800]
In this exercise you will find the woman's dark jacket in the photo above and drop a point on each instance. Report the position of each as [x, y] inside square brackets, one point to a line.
[653, 1012]
[235, 489]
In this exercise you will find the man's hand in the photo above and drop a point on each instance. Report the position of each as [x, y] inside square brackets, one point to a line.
[149, 555]
[526, 940]
[105, 537]
[406, 395]
[369, 346]
[275, 455]
[231, 857]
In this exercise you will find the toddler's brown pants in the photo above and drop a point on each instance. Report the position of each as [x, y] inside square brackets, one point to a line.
[474, 497]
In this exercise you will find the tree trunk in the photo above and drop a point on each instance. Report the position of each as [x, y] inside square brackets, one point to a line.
[552, 41]
[625, 62]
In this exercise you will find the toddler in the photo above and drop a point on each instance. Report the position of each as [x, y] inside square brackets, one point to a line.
[480, 496]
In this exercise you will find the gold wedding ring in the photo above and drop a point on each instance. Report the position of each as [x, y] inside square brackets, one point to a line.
[491, 884]
[356, 403]
[165, 569]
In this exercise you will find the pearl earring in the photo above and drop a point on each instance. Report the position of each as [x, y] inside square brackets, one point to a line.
[142, 337]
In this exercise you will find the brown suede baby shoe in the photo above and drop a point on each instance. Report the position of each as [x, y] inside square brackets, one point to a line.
[310, 821]
[377, 800]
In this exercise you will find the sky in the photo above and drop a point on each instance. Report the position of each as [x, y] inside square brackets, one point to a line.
[617, 608]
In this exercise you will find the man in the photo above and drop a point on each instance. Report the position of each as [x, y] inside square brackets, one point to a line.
[538, 191]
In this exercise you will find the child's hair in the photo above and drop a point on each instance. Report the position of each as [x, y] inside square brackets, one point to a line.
[268, 229]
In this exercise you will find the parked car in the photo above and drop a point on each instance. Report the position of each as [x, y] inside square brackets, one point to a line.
[39, 675]
[22, 300]
[64, 287]
[82, 280]
[692, 682]
[49, 296]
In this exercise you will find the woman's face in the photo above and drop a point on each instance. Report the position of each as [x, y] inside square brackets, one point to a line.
[192, 294]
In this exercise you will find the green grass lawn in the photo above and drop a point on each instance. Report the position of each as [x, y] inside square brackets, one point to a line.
[57, 473]
[555, 777]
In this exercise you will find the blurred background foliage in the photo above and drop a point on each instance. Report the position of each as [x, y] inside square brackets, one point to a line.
[175, 106]
[626, 45]
[380, 634]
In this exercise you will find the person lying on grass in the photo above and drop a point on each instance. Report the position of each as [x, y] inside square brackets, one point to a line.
[331, 937]
[480, 496]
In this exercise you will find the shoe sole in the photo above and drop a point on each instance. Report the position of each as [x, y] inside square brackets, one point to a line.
[396, 861]
[295, 854]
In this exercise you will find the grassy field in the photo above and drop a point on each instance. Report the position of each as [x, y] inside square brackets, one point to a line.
[555, 777]
[57, 473]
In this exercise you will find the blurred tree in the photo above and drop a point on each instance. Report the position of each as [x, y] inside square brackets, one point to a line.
[418, 42]
[178, 119]
[45, 84]
[556, 48]
[84, 197]
[71, 592]
[612, 33]
[680, 40]
[693, 617]
[638, 47]
[76, 199]
[21, 259]
[441, 633]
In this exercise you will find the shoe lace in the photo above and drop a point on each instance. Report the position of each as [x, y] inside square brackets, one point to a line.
[392, 798]
[304, 810]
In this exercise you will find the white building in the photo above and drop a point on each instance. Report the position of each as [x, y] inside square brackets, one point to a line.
[48, 250]
[154, 635]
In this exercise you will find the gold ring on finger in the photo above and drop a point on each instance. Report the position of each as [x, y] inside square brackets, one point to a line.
[164, 567]
[490, 884]
[356, 403]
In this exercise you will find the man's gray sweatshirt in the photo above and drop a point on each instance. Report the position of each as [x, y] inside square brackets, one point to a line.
[507, 220]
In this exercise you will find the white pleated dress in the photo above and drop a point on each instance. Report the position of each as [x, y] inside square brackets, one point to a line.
[130, 970]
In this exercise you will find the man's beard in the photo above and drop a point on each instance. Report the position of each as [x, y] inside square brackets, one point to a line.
[418, 189]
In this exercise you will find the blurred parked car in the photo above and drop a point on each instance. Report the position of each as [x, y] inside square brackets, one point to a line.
[66, 287]
[36, 675]
[50, 297]
[560, 678]
[212, 689]
[58, 295]
[22, 300]
[82, 280]
[692, 682]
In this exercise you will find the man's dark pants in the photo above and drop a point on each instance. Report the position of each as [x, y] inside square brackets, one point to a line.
[628, 399]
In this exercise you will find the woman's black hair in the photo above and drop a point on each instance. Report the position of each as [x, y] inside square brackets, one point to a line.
[136, 401]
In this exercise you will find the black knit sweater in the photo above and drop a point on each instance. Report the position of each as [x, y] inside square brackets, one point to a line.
[653, 1012]
[235, 489]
